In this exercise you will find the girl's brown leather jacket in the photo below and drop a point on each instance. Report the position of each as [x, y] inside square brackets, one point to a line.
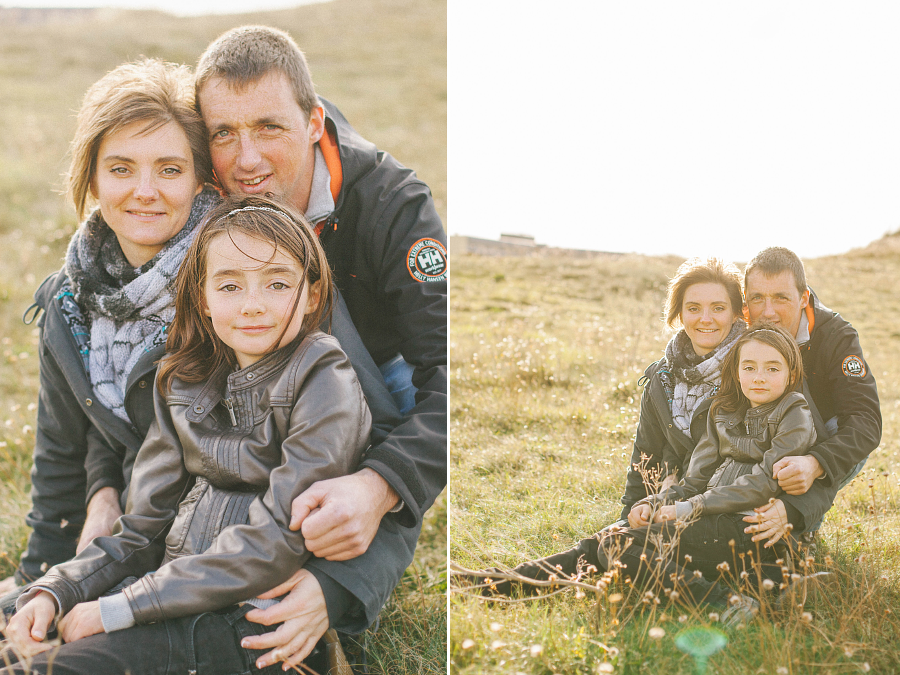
[213, 483]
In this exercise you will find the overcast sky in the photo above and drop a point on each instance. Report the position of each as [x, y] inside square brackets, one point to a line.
[685, 127]
[177, 7]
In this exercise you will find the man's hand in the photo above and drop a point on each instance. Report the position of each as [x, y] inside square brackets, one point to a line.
[102, 513]
[83, 621]
[305, 618]
[771, 522]
[639, 516]
[796, 474]
[28, 627]
[665, 513]
[339, 517]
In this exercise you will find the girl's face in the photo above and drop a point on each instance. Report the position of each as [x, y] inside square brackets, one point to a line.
[707, 315]
[145, 184]
[763, 372]
[248, 301]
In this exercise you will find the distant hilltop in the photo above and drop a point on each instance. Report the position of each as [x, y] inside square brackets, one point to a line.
[517, 245]
[41, 15]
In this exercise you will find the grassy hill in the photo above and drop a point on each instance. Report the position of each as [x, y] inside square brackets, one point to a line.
[383, 62]
[546, 354]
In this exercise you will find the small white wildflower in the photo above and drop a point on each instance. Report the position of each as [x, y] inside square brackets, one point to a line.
[496, 644]
[656, 632]
[806, 617]
[615, 597]
[606, 667]
[713, 616]
[768, 584]
[536, 651]
[682, 618]
[496, 627]
[781, 670]
[468, 643]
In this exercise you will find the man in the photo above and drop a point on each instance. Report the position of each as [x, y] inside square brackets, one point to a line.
[841, 390]
[270, 134]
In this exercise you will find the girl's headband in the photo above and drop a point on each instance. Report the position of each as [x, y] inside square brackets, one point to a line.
[254, 208]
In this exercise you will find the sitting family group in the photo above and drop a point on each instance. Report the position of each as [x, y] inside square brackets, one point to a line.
[745, 436]
[244, 354]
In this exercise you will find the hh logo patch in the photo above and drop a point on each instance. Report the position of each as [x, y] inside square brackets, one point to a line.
[427, 260]
[853, 366]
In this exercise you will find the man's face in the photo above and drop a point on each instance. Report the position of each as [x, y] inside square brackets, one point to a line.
[775, 299]
[260, 140]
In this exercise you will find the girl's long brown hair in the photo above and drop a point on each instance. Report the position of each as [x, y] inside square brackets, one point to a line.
[195, 351]
[730, 397]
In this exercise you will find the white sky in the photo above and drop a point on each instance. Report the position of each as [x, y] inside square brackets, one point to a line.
[177, 7]
[689, 127]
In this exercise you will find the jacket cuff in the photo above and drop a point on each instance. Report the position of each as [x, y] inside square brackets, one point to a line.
[98, 480]
[115, 613]
[338, 600]
[396, 474]
[827, 478]
[684, 510]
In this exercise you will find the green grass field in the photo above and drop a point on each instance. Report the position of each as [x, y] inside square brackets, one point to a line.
[545, 358]
[383, 62]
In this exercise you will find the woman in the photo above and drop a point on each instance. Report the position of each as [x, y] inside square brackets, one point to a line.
[704, 297]
[140, 154]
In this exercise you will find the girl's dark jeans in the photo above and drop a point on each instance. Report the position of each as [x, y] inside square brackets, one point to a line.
[657, 552]
[203, 644]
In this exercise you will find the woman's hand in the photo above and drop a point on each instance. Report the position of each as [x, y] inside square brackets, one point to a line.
[771, 522]
[665, 513]
[639, 516]
[83, 621]
[28, 627]
[305, 618]
[103, 511]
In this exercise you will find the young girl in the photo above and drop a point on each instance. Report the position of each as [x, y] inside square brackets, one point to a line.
[757, 418]
[253, 405]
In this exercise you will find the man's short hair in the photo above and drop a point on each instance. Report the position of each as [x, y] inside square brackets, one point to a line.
[775, 260]
[245, 54]
[150, 91]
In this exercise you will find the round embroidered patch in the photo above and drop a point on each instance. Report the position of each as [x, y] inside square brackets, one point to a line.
[427, 260]
[853, 366]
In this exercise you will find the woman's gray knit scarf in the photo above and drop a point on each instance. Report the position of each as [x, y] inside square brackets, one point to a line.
[128, 309]
[696, 377]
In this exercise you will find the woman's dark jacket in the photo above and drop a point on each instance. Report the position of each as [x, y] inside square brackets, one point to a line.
[80, 447]
[666, 447]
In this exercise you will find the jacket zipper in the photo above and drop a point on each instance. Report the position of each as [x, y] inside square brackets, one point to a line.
[228, 403]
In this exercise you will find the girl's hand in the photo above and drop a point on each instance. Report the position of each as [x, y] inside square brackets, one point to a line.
[665, 513]
[639, 516]
[83, 621]
[771, 522]
[28, 627]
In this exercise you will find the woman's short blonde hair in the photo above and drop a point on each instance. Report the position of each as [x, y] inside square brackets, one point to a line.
[702, 271]
[150, 91]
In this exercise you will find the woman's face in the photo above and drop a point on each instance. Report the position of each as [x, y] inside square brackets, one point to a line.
[707, 316]
[145, 183]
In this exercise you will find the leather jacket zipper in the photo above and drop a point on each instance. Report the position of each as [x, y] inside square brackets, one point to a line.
[228, 403]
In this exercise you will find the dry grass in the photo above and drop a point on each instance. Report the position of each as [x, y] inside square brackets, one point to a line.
[382, 61]
[545, 358]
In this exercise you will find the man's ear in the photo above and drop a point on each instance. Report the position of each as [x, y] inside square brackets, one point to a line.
[316, 126]
[804, 299]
